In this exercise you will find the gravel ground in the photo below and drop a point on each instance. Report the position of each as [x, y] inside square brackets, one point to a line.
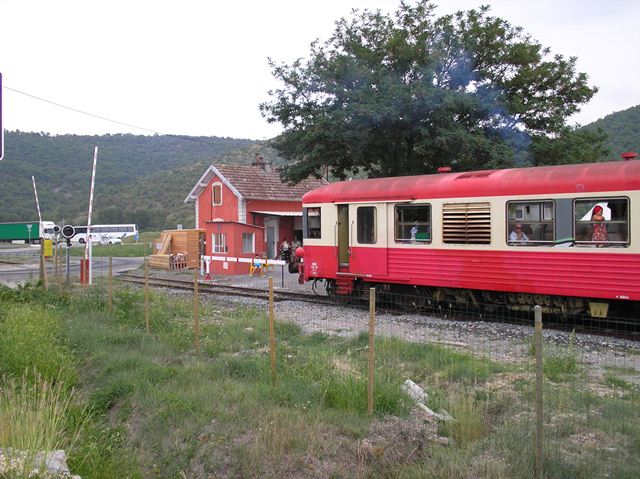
[501, 342]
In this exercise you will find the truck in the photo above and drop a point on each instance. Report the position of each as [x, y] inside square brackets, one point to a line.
[27, 232]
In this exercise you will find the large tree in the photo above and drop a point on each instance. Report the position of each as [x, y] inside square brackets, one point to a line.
[403, 94]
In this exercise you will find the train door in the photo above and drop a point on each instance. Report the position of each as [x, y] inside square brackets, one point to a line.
[343, 236]
[368, 228]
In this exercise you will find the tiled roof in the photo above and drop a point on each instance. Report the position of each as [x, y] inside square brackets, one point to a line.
[252, 182]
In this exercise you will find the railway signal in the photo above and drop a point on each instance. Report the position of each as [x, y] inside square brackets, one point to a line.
[67, 233]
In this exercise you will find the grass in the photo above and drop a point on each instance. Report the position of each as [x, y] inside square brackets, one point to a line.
[157, 410]
[33, 418]
[115, 250]
[143, 237]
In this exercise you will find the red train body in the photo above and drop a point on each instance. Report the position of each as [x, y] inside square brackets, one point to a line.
[459, 236]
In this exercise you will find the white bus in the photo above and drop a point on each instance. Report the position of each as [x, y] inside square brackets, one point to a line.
[105, 234]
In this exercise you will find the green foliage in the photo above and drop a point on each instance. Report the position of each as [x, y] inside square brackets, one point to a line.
[404, 94]
[570, 146]
[623, 130]
[31, 344]
[139, 179]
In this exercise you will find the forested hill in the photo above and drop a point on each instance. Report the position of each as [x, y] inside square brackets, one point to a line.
[144, 179]
[62, 167]
[623, 129]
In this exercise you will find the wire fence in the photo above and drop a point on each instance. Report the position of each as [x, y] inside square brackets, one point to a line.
[556, 398]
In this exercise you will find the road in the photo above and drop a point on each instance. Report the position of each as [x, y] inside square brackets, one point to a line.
[11, 274]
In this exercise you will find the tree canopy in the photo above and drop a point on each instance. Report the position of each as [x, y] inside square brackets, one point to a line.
[400, 94]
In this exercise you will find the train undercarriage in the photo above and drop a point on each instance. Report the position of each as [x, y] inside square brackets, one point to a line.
[424, 298]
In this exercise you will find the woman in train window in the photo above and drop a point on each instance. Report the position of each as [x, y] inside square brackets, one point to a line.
[600, 236]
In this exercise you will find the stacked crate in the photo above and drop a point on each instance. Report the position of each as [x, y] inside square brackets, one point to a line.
[177, 249]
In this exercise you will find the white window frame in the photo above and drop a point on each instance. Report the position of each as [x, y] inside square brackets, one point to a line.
[221, 245]
[253, 243]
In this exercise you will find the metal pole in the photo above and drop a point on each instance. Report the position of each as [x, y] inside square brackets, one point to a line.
[87, 251]
[539, 370]
[372, 354]
[110, 304]
[43, 267]
[282, 269]
[68, 266]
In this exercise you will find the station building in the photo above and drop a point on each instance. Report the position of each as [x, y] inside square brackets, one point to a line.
[247, 211]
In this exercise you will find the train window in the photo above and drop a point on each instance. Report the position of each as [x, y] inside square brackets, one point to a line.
[530, 223]
[366, 224]
[216, 193]
[413, 223]
[311, 222]
[601, 222]
[466, 223]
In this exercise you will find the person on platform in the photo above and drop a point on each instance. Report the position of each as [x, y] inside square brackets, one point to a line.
[285, 250]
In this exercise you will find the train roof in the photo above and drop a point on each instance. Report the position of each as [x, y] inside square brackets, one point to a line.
[578, 178]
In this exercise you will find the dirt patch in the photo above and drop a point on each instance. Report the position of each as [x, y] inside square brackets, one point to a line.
[394, 440]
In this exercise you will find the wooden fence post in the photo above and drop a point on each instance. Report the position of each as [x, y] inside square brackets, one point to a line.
[372, 354]
[539, 371]
[146, 296]
[61, 266]
[272, 332]
[110, 283]
[43, 266]
[196, 311]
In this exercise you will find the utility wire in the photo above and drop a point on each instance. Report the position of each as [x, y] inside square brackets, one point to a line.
[181, 137]
[80, 111]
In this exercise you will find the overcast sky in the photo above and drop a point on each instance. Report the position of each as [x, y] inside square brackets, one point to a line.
[200, 67]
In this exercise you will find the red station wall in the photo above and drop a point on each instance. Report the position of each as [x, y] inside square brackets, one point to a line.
[228, 213]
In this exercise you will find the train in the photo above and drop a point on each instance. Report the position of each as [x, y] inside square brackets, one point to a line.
[564, 237]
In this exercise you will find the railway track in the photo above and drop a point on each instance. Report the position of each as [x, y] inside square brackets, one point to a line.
[618, 328]
[244, 291]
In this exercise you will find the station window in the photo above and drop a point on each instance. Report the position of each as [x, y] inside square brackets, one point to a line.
[311, 222]
[601, 222]
[530, 223]
[216, 193]
[366, 224]
[248, 243]
[413, 223]
[219, 243]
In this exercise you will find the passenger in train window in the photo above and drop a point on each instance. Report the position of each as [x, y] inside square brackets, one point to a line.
[517, 234]
[414, 231]
[600, 236]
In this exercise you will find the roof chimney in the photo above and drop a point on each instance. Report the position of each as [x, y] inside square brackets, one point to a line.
[629, 155]
[259, 161]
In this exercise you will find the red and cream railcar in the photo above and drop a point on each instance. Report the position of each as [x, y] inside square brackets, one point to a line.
[515, 236]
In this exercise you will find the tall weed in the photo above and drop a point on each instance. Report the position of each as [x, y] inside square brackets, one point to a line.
[33, 419]
[31, 342]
